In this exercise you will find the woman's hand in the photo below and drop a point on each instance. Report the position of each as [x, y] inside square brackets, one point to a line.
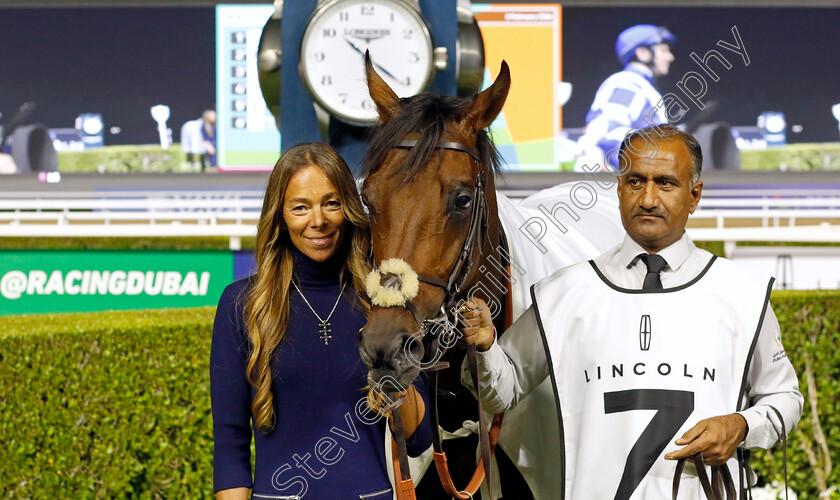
[412, 410]
[233, 494]
[476, 325]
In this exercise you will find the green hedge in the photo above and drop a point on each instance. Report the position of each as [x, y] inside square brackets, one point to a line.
[124, 160]
[108, 405]
[811, 333]
[716, 247]
[805, 157]
[116, 405]
[801, 157]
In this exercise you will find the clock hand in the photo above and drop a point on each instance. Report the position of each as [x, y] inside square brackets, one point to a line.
[386, 72]
[378, 66]
[357, 49]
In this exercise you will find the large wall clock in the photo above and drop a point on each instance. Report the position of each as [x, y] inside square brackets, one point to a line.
[401, 45]
[336, 39]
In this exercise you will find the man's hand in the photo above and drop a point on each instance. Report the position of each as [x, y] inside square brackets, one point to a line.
[477, 325]
[715, 438]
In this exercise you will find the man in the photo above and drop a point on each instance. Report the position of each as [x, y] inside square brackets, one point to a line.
[653, 344]
[192, 144]
[628, 99]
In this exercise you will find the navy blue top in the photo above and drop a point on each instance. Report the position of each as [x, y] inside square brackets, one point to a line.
[325, 440]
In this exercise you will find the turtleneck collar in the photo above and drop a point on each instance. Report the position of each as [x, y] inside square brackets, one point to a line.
[313, 273]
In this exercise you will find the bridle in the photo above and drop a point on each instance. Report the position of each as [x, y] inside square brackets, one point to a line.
[447, 321]
[476, 233]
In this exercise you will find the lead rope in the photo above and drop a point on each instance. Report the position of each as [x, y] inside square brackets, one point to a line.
[713, 491]
[784, 448]
[488, 439]
[483, 432]
[402, 475]
[721, 477]
[399, 454]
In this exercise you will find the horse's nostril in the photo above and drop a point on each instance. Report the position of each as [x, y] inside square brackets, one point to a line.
[405, 343]
[410, 346]
[382, 362]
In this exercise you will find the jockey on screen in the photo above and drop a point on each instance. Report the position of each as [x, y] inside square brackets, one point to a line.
[628, 99]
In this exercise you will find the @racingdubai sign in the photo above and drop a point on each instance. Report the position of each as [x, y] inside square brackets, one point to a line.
[93, 282]
[75, 281]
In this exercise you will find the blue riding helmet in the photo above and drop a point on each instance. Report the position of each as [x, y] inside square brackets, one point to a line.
[641, 35]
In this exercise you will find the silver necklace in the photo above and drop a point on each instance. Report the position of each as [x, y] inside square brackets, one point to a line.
[324, 325]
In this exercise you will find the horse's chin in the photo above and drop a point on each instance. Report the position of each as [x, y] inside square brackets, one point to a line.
[393, 380]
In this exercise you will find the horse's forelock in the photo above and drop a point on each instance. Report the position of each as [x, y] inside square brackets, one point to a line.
[426, 115]
[487, 152]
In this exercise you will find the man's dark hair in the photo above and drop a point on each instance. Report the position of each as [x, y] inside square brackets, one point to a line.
[660, 133]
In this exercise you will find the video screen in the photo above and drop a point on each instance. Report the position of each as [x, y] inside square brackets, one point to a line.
[85, 80]
[761, 74]
[128, 90]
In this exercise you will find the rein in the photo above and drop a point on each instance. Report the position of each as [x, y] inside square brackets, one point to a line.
[448, 319]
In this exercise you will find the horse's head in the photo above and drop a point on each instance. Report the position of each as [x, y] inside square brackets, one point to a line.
[429, 184]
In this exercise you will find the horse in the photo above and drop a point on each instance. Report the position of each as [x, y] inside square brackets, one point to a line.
[437, 236]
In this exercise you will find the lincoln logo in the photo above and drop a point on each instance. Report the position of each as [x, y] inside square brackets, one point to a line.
[644, 332]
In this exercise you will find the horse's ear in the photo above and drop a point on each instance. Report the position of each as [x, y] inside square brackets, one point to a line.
[488, 104]
[386, 100]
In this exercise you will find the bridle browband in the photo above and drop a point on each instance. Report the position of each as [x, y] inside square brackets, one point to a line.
[454, 146]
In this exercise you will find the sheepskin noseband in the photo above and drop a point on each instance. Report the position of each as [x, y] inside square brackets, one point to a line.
[393, 284]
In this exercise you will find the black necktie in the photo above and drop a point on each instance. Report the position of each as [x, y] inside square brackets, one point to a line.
[655, 264]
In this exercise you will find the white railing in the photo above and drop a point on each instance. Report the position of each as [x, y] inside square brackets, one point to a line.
[770, 210]
[737, 215]
[132, 214]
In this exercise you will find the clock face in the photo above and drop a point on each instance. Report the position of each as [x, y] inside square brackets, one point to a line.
[333, 50]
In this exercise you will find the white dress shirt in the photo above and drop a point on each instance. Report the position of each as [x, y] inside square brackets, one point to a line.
[516, 364]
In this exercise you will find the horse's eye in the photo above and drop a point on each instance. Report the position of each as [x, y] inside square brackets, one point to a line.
[463, 202]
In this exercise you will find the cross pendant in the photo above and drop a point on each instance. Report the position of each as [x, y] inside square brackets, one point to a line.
[325, 331]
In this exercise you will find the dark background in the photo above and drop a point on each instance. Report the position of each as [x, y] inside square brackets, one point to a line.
[117, 62]
[794, 61]
[121, 61]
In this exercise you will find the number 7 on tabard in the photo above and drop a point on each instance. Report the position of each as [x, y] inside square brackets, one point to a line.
[673, 409]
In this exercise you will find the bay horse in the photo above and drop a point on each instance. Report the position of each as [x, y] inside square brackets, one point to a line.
[438, 238]
[430, 192]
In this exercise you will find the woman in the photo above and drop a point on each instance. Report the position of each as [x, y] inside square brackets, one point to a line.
[284, 355]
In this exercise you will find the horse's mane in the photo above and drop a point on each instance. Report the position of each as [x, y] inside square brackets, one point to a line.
[427, 115]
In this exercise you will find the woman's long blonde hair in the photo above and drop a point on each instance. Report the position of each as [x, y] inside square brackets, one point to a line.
[267, 303]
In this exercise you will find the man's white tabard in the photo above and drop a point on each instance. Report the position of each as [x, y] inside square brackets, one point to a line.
[635, 369]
